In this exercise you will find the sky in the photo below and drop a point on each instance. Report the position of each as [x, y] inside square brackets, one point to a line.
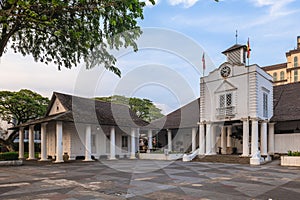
[168, 66]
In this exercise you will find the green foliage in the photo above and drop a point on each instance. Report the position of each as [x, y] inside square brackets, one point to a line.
[144, 108]
[294, 153]
[22, 106]
[67, 32]
[9, 156]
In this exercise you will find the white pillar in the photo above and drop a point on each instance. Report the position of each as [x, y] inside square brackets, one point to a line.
[263, 138]
[133, 147]
[112, 144]
[223, 140]
[254, 138]
[194, 139]
[21, 143]
[229, 132]
[43, 142]
[213, 139]
[59, 142]
[31, 143]
[149, 140]
[245, 137]
[208, 139]
[88, 143]
[169, 140]
[271, 139]
[201, 139]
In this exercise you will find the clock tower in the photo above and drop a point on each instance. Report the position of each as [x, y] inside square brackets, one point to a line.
[236, 55]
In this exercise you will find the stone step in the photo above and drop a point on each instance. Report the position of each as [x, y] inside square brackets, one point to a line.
[223, 159]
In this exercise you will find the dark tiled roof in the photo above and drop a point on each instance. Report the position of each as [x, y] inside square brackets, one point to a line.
[234, 47]
[274, 67]
[184, 117]
[83, 110]
[286, 102]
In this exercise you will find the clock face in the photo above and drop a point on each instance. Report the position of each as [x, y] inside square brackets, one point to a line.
[225, 71]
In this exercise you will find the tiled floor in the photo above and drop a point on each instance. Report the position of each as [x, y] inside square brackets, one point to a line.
[142, 179]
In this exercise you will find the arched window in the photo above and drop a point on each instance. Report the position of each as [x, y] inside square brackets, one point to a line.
[275, 76]
[295, 61]
[295, 75]
[282, 75]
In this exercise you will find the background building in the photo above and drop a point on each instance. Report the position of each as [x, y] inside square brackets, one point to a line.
[288, 72]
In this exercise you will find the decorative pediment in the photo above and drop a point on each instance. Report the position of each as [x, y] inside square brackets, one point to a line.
[56, 107]
[225, 87]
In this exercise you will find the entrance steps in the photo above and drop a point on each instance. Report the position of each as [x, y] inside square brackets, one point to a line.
[223, 159]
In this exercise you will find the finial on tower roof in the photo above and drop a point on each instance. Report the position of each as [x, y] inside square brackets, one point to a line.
[236, 36]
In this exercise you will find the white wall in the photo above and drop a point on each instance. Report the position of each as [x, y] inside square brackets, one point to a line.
[287, 142]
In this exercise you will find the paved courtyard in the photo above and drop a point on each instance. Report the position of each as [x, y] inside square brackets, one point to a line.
[143, 179]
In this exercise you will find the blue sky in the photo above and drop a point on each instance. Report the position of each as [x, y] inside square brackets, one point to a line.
[168, 73]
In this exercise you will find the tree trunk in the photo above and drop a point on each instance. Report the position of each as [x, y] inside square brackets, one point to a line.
[8, 144]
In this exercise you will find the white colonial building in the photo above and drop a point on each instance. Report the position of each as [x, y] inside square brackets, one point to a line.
[236, 96]
[81, 127]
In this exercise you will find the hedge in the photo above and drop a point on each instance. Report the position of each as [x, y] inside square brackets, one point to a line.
[9, 156]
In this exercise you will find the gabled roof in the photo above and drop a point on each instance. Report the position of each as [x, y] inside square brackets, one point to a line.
[286, 102]
[185, 117]
[84, 110]
[234, 47]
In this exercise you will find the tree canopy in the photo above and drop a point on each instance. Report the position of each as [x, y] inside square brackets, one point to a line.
[66, 32]
[20, 107]
[144, 108]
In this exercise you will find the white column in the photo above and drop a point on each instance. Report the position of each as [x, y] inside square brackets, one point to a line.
[271, 139]
[208, 139]
[245, 137]
[201, 139]
[213, 139]
[112, 144]
[229, 132]
[254, 137]
[31, 143]
[21, 143]
[133, 148]
[88, 143]
[194, 139]
[263, 138]
[43, 142]
[149, 140]
[223, 140]
[59, 142]
[169, 140]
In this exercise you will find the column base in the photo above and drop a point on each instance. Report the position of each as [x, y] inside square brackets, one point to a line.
[42, 160]
[254, 161]
[58, 161]
[88, 160]
[31, 159]
[268, 158]
[112, 158]
[245, 155]
[132, 157]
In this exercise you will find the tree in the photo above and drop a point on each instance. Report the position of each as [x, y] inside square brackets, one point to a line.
[66, 31]
[19, 107]
[144, 108]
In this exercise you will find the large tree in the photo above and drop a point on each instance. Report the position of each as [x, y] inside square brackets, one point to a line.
[20, 107]
[144, 108]
[66, 31]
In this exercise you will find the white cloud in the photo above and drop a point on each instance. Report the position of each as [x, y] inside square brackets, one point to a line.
[148, 3]
[277, 7]
[186, 3]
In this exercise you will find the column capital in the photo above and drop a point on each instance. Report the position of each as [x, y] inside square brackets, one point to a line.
[264, 121]
[31, 126]
[271, 123]
[255, 119]
[245, 119]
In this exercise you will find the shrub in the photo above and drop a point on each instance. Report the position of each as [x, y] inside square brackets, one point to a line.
[9, 156]
[295, 153]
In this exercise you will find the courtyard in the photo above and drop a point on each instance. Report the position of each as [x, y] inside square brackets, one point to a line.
[145, 179]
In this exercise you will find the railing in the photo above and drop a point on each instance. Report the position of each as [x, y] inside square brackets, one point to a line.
[226, 112]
